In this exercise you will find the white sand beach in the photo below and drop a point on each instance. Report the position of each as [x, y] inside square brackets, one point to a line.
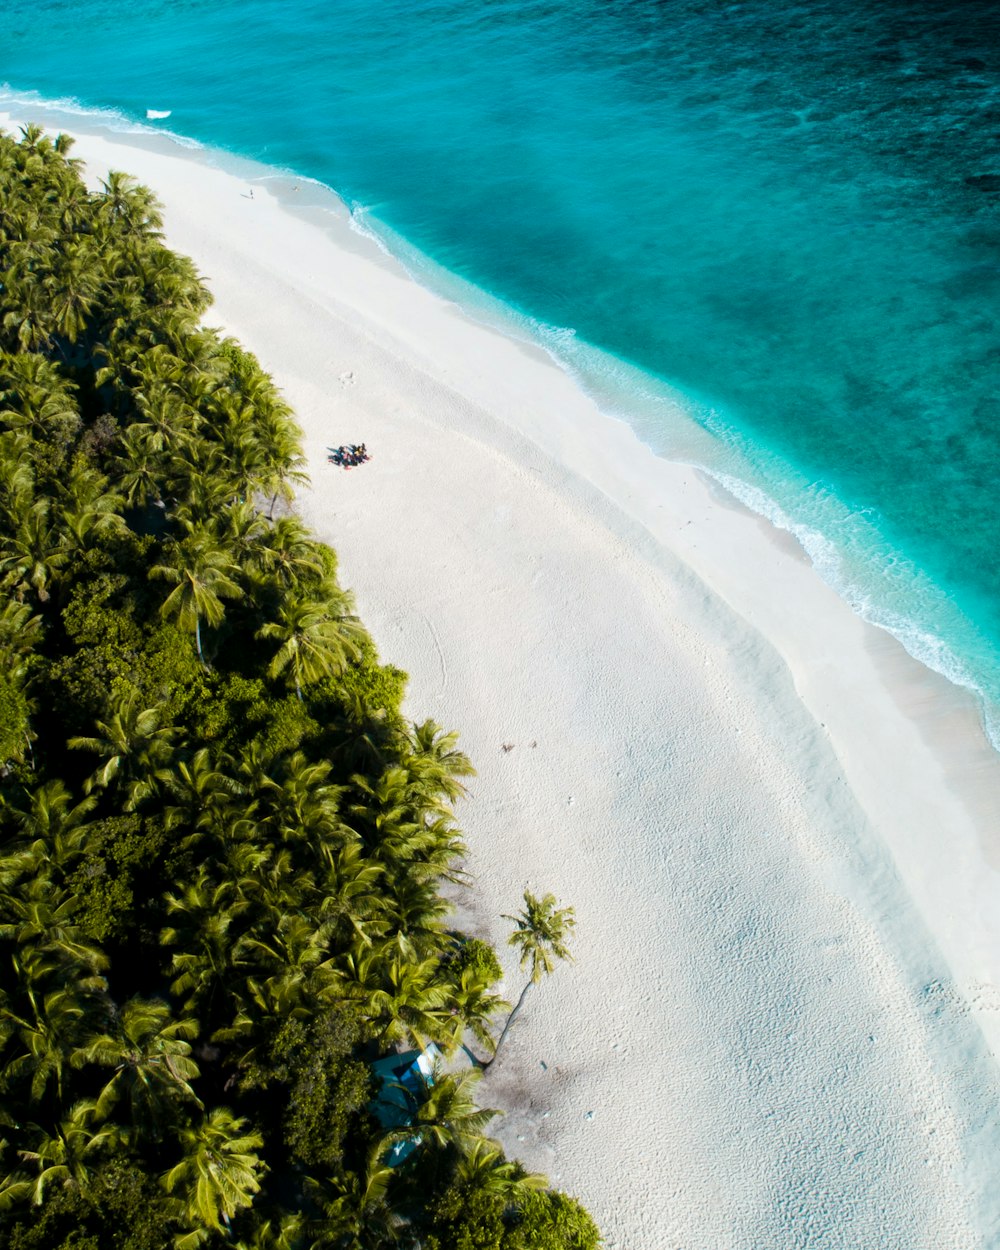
[779, 832]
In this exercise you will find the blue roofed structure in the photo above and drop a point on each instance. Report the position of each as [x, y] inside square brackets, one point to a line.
[402, 1080]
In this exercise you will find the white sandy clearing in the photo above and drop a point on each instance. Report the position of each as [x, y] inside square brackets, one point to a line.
[777, 830]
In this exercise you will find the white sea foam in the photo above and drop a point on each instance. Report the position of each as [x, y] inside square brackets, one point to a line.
[53, 110]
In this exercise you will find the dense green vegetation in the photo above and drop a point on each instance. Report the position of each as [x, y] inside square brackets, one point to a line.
[221, 844]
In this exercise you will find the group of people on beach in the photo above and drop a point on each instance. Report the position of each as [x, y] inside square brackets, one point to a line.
[349, 456]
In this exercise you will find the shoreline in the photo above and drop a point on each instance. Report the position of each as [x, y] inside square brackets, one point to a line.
[727, 759]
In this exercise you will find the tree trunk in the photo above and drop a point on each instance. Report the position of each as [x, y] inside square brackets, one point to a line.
[510, 1020]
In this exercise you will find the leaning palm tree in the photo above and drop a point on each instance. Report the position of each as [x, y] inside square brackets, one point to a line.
[317, 636]
[218, 1174]
[201, 570]
[542, 932]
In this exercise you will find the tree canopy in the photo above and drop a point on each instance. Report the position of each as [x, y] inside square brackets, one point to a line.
[221, 844]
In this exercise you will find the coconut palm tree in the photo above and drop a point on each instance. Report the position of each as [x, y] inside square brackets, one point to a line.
[133, 745]
[62, 1157]
[51, 834]
[218, 1174]
[151, 1056]
[139, 467]
[474, 1004]
[44, 1028]
[351, 898]
[205, 930]
[201, 571]
[34, 396]
[130, 208]
[403, 996]
[356, 1212]
[541, 933]
[317, 636]
[445, 1113]
[286, 555]
[200, 795]
[34, 552]
[73, 293]
[435, 764]
[484, 1168]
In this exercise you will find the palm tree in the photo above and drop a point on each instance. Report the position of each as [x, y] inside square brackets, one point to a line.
[201, 795]
[132, 208]
[52, 834]
[285, 1233]
[403, 996]
[317, 635]
[150, 1054]
[20, 632]
[483, 1168]
[304, 806]
[218, 1174]
[446, 1113]
[542, 932]
[47, 1032]
[200, 571]
[36, 397]
[356, 1211]
[283, 459]
[287, 555]
[62, 1157]
[474, 1004]
[34, 551]
[75, 289]
[132, 743]
[350, 896]
[435, 764]
[204, 916]
[139, 467]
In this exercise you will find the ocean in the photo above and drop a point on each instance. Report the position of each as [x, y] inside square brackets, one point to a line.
[766, 235]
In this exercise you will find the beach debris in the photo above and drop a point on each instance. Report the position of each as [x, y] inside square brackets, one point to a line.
[347, 378]
[348, 456]
[507, 747]
[543, 1065]
[589, 1115]
[532, 744]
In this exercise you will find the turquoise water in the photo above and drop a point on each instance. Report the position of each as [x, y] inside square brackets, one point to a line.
[789, 214]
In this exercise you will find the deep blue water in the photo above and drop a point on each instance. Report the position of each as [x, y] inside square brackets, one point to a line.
[788, 212]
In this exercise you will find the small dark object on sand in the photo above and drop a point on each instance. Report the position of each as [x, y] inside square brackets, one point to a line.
[348, 457]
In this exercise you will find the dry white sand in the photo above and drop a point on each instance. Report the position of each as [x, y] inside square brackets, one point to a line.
[777, 830]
